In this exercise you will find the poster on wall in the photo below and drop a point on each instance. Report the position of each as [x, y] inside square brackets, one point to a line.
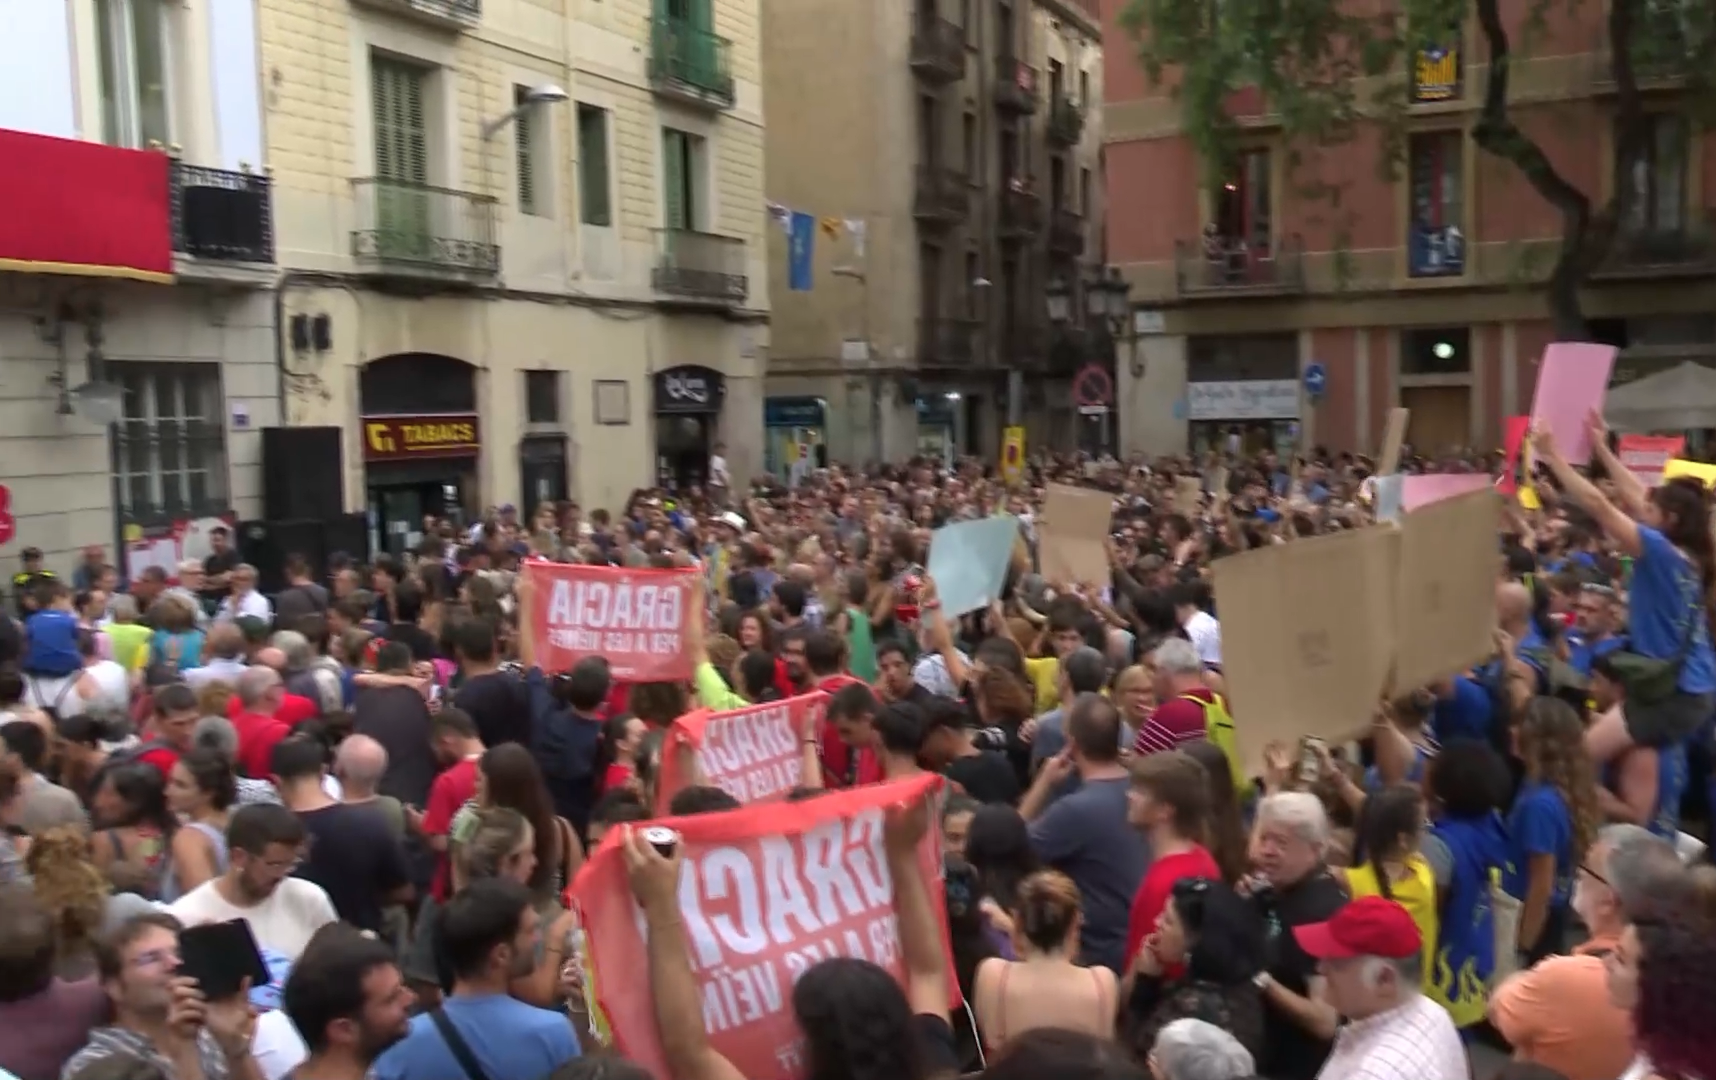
[168, 545]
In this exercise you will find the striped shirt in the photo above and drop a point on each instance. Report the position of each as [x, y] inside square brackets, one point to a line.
[1412, 1041]
[111, 1042]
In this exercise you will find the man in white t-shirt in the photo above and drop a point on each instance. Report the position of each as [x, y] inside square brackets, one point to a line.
[264, 845]
[1200, 626]
[720, 481]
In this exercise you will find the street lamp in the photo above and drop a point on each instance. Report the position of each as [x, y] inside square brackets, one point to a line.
[546, 94]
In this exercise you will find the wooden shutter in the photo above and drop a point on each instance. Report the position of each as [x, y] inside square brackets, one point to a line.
[523, 138]
[593, 166]
[676, 212]
[402, 210]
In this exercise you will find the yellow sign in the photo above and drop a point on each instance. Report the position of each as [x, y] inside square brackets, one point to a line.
[1012, 455]
[1436, 74]
[1695, 469]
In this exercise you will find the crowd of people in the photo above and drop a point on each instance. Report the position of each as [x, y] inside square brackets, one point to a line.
[370, 772]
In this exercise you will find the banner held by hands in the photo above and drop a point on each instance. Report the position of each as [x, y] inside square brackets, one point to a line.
[635, 619]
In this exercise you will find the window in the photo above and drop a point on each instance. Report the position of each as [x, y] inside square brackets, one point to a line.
[1440, 350]
[1057, 183]
[542, 397]
[528, 131]
[972, 273]
[1057, 80]
[968, 137]
[1084, 193]
[594, 199]
[1436, 244]
[1009, 154]
[135, 40]
[401, 131]
[1243, 205]
[682, 204]
[1004, 29]
[929, 279]
[1658, 176]
[1084, 88]
[169, 453]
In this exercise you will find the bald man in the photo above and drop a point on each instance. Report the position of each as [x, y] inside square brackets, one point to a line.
[288, 708]
[223, 657]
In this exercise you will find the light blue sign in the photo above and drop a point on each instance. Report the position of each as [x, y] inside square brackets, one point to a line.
[1316, 379]
[968, 562]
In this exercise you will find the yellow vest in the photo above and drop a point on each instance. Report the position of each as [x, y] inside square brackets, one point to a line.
[1417, 894]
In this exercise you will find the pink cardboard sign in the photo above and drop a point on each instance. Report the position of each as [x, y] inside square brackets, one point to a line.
[1572, 380]
[1418, 491]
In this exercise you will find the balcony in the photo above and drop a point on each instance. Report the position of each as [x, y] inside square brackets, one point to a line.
[700, 266]
[440, 14]
[1436, 252]
[221, 219]
[1644, 252]
[1021, 211]
[1664, 52]
[691, 65]
[1222, 266]
[1066, 122]
[1015, 86]
[943, 196]
[1066, 232]
[938, 51]
[946, 343]
[415, 230]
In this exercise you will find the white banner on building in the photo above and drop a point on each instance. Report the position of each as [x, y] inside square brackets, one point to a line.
[1252, 399]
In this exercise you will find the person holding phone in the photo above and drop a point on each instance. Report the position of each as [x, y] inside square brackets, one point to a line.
[161, 1015]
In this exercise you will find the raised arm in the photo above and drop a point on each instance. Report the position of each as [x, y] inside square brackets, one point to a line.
[1623, 530]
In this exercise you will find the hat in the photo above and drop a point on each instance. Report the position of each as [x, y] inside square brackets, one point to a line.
[1369, 926]
[733, 519]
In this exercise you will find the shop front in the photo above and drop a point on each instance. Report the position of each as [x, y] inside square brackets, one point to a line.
[542, 470]
[687, 402]
[1243, 417]
[797, 436]
[938, 431]
[421, 442]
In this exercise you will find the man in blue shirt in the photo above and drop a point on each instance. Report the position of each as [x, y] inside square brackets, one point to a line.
[489, 936]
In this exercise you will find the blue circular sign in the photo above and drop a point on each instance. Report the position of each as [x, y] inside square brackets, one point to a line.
[1316, 379]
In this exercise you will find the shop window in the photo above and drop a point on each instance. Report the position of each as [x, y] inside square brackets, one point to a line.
[1444, 350]
[1657, 175]
[1436, 244]
[542, 397]
[169, 447]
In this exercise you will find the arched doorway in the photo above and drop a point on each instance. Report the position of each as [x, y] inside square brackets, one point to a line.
[421, 440]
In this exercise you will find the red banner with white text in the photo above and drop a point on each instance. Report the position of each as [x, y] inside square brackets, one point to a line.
[755, 754]
[765, 893]
[635, 619]
[1645, 456]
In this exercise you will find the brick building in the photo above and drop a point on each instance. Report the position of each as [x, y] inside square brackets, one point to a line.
[1419, 292]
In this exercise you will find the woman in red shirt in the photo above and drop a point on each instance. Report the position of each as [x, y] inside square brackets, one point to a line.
[621, 737]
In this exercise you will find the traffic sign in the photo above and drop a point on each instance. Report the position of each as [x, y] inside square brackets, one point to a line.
[1316, 379]
[1093, 387]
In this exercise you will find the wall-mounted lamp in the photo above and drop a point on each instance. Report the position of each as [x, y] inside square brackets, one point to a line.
[546, 94]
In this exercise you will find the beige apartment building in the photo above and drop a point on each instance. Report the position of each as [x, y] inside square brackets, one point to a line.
[521, 244]
[944, 159]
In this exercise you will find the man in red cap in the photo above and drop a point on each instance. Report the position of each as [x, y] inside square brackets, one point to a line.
[1369, 954]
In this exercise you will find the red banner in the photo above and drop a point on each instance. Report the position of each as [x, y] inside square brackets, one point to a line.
[1645, 456]
[633, 618]
[75, 207]
[765, 893]
[755, 754]
[1513, 440]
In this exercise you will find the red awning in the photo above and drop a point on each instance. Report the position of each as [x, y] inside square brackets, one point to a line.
[73, 207]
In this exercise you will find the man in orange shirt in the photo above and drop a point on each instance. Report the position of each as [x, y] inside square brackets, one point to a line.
[1558, 1012]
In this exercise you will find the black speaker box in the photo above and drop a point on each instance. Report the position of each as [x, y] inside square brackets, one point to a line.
[303, 474]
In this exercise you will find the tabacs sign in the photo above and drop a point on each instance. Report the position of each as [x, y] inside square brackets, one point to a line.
[395, 438]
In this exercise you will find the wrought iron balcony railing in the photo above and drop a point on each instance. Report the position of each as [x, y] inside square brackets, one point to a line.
[942, 197]
[1645, 251]
[1066, 232]
[1066, 121]
[700, 266]
[938, 51]
[445, 14]
[1021, 210]
[419, 229]
[220, 215]
[1228, 266]
[1015, 85]
[691, 64]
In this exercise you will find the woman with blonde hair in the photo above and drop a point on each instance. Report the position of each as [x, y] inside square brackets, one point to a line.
[1552, 823]
[75, 893]
[1045, 987]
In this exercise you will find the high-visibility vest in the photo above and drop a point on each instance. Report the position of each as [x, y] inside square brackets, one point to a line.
[1218, 729]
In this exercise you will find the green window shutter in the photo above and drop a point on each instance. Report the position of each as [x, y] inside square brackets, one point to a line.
[676, 212]
[523, 139]
[402, 211]
[593, 166]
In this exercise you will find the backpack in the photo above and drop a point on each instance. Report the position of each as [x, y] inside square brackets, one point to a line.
[1218, 729]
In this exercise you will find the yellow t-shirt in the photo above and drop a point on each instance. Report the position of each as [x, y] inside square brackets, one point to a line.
[1045, 675]
[1416, 893]
[130, 644]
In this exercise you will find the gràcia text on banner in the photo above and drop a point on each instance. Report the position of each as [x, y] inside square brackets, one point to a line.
[623, 616]
[753, 754]
[758, 916]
